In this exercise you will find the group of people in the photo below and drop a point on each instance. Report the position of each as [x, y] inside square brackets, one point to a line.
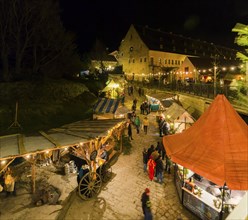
[164, 127]
[135, 120]
[153, 162]
[145, 108]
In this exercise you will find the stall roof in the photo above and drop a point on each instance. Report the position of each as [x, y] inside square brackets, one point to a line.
[105, 105]
[165, 99]
[177, 113]
[70, 134]
[216, 146]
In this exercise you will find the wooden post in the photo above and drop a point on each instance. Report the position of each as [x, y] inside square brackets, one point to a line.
[121, 141]
[33, 173]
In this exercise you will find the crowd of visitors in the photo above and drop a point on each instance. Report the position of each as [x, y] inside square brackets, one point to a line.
[153, 162]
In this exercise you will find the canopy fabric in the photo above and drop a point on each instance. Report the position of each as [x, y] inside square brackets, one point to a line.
[105, 105]
[112, 85]
[215, 147]
[177, 113]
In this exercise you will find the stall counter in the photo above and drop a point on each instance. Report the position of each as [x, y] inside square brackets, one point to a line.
[206, 198]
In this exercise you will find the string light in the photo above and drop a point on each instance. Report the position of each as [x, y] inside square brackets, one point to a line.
[3, 162]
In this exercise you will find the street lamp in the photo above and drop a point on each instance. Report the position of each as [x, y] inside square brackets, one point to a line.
[215, 68]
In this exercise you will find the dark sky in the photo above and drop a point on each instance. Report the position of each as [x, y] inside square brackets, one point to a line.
[210, 20]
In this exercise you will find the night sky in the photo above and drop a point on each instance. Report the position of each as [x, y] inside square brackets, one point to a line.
[209, 20]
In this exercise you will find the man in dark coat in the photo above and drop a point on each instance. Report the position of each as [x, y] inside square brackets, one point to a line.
[150, 150]
[129, 131]
[159, 169]
[146, 204]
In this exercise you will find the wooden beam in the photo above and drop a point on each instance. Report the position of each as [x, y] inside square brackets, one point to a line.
[7, 136]
[64, 131]
[6, 165]
[22, 149]
[49, 138]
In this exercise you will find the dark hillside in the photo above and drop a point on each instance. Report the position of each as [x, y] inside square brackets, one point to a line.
[43, 105]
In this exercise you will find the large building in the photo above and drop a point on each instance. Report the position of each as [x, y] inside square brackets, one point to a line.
[146, 53]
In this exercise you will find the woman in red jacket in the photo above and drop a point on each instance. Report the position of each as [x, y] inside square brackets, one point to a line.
[151, 168]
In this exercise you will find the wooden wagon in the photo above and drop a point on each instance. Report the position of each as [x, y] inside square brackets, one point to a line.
[93, 170]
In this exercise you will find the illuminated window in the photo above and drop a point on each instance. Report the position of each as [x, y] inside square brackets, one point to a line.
[165, 61]
[169, 62]
[159, 60]
[144, 59]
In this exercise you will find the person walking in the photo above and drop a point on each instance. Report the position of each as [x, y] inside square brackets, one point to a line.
[146, 204]
[129, 131]
[137, 123]
[145, 124]
[159, 169]
[145, 159]
[151, 168]
[150, 150]
[168, 164]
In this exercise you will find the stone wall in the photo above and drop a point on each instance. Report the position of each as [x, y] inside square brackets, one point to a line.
[194, 105]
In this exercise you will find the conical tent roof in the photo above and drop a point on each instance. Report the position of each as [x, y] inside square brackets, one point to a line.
[216, 146]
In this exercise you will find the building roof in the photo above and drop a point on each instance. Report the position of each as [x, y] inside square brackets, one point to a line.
[208, 63]
[159, 40]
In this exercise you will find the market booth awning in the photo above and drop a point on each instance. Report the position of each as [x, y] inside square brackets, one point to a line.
[216, 146]
[18, 145]
[105, 105]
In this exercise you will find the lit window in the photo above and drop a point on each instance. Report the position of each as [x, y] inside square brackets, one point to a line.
[168, 61]
[165, 61]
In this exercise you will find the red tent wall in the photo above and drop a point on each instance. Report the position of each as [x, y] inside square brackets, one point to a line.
[216, 146]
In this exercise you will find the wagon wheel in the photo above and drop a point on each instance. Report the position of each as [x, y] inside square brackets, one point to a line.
[90, 185]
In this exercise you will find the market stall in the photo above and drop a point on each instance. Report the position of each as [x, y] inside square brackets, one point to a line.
[113, 89]
[81, 137]
[178, 117]
[213, 154]
[160, 100]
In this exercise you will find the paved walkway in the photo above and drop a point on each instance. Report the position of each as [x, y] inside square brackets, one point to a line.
[119, 198]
